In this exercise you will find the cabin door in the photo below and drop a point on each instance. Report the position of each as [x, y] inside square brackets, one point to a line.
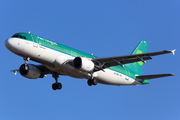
[35, 41]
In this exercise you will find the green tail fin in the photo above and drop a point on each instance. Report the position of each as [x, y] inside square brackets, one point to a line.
[137, 66]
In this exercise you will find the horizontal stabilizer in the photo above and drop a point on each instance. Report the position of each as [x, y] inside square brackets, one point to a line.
[15, 71]
[143, 77]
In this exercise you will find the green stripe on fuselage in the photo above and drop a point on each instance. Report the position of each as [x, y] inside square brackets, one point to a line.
[71, 51]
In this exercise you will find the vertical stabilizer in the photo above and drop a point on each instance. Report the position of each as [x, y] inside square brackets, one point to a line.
[137, 66]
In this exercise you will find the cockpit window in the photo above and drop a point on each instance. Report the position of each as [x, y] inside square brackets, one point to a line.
[19, 36]
[15, 36]
[24, 37]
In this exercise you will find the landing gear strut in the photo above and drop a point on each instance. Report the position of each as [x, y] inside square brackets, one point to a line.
[56, 85]
[26, 62]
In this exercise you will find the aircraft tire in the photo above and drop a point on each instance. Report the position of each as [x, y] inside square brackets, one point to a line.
[89, 82]
[56, 86]
[59, 86]
[94, 81]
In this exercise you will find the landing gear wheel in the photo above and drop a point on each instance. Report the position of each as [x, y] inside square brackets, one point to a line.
[91, 82]
[59, 86]
[56, 86]
[94, 81]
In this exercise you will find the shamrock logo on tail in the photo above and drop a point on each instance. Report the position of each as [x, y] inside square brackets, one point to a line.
[139, 52]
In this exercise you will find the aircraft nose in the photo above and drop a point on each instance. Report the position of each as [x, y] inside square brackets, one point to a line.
[8, 43]
[13, 45]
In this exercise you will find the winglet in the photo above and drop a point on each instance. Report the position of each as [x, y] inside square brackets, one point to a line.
[173, 51]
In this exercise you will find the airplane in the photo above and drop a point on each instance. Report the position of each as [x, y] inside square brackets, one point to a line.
[57, 59]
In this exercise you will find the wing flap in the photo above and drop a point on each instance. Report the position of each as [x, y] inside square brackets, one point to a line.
[143, 77]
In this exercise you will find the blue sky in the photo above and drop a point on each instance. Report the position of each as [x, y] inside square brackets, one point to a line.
[104, 28]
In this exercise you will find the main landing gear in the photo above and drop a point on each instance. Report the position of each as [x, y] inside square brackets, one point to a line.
[92, 81]
[56, 85]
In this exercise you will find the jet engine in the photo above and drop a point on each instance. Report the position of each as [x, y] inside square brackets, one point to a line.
[29, 71]
[83, 64]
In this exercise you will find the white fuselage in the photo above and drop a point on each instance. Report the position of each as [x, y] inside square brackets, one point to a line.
[58, 62]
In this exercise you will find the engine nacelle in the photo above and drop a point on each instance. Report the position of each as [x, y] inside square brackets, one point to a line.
[60, 60]
[83, 64]
[29, 71]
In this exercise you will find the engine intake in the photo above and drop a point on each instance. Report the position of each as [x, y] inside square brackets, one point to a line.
[29, 71]
[83, 64]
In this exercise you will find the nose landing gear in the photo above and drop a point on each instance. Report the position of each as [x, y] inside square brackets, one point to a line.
[26, 62]
[56, 85]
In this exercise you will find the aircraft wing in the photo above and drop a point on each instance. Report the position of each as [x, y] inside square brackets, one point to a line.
[44, 69]
[143, 77]
[106, 62]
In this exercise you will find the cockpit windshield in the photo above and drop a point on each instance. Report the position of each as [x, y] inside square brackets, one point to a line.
[18, 36]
